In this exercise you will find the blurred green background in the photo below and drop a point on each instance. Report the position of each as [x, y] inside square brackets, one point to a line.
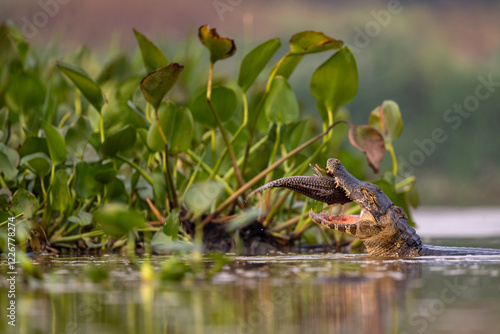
[430, 57]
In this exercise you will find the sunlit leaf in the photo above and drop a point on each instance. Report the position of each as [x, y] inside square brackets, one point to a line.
[117, 219]
[60, 197]
[224, 101]
[306, 42]
[335, 82]
[157, 83]
[56, 143]
[255, 61]
[24, 202]
[9, 159]
[387, 119]
[151, 55]
[120, 141]
[89, 88]
[369, 141]
[39, 163]
[281, 105]
[219, 47]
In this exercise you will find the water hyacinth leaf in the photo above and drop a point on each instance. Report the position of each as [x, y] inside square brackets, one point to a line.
[219, 47]
[387, 119]
[39, 163]
[247, 218]
[86, 185]
[34, 145]
[59, 196]
[369, 141]
[159, 188]
[224, 101]
[117, 219]
[306, 42]
[335, 82]
[24, 202]
[200, 196]
[120, 141]
[172, 223]
[182, 131]
[152, 56]
[281, 106]
[55, 142]
[25, 91]
[115, 190]
[77, 137]
[9, 159]
[83, 218]
[288, 65]
[157, 83]
[255, 61]
[89, 88]
[105, 173]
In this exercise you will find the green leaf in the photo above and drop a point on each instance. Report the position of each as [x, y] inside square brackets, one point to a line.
[172, 223]
[24, 202]
[121, 141]
[117, 219]
[56, 143]
[105, 173]
[182, 131]
[369, 141]
[224, 101]
[9, 159]
[59, 196]
[387, 119]
[83, 218]
[281, 105]
[306, 42]
[255, 61]
[219, 47]
[77, 137]
[25, 91]
[200, 196]
[89, 88]
[39, 163]
[335, 82]
[86, 185]
[34, 145]
[152, 56]
[288, 65]
[157, 83]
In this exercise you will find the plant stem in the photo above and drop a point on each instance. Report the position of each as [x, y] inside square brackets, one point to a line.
[262, 174]
[136, 167]
[101, 128]
[237, 172]
[390, 148]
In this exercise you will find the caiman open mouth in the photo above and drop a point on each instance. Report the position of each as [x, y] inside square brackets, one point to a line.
[343, 223]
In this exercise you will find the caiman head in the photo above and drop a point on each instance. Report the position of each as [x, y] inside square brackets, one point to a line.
[382, 226]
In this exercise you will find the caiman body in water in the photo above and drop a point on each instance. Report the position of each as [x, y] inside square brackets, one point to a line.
[382, 226]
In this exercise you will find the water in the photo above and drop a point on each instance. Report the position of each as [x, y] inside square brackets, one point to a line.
[321, 293]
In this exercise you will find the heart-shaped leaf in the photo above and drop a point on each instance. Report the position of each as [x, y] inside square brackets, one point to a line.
[335, 82]
[369, 141]
[56, 143]
[24, 202]
[387, 119]
[157, 83]
[281, 104]
[219, 47]
[306, 42]
[255, 61]
[89, 88]
[224, 101]
[152, 56]
[9, 159]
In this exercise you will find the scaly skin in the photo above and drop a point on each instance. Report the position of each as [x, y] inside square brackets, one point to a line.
[382, 226]
[317, 187]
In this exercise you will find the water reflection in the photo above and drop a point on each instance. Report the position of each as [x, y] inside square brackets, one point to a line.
[276, 294]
